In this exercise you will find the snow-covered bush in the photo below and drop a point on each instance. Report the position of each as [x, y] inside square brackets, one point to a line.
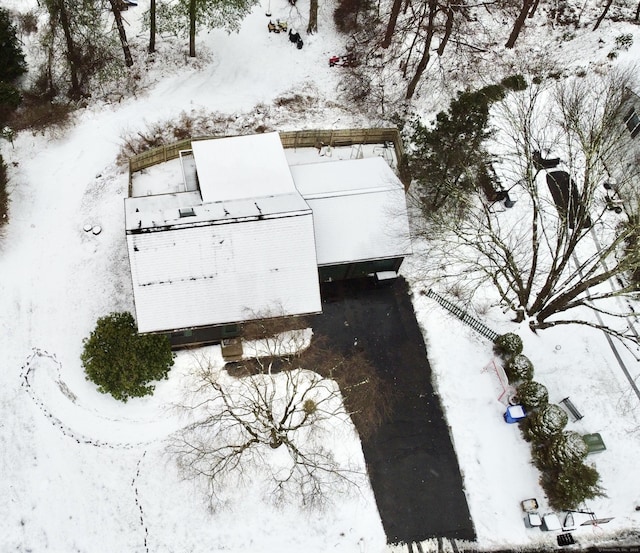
[563, 449]
[545, 423]
[508, 344]
[121, 361]
[570, 485]
[532, 395]
[519, 368]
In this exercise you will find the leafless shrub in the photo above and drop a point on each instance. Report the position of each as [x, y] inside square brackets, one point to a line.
[38, 113]
[186, 125]
[27, 22]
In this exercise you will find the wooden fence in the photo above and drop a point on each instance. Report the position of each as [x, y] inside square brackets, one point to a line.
[289, 139]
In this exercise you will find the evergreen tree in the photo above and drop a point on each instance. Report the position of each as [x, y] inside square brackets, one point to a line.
[447, 155]
[12, 63]
[570, 485]
[121, 361]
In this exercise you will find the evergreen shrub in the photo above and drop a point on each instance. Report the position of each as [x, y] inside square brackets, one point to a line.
[570, 485]
[543, 424]
[508, 345]
[562, 449]
[121, 361]
[519, 368]
[532, 395]
[514, 82]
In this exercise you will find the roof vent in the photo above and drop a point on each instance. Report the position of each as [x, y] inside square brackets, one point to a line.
[186, 212]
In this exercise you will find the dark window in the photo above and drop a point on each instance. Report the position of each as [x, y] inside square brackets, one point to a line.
[230, 330]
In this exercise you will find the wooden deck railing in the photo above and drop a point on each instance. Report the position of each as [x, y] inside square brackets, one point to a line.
[289, 139]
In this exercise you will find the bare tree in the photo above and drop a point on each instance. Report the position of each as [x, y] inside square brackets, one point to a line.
[266, 418]
[76, 46]
[560, 265]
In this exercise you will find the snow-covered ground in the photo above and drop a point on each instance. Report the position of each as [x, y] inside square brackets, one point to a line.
[82, 472]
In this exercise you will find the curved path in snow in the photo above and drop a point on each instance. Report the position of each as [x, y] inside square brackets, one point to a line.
[40, 376]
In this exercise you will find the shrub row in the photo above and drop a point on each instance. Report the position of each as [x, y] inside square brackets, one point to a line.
[558, 454]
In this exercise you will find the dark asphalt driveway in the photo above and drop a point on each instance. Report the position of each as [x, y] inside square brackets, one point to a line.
[411, 461]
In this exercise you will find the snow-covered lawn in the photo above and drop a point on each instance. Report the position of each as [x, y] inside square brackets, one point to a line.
[82, 472]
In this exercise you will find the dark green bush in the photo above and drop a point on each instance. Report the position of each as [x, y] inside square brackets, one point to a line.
[10, 99]
[493, 92]
[12, 63]
[563, 449]
[543, 424]
[532, 395]
[518, 368]
[570, 485]
[508, 345]
[514, 82]
[121, 361]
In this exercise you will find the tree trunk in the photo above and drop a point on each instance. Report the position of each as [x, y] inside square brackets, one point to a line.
[603, 14]
[532, 12]
[519, 24]
[424, 60]
[391, 26]
[192, 28]
[128, 60]
[638, 12]
[73, 56]
[152, 26]
[448, 28]
[312, 27]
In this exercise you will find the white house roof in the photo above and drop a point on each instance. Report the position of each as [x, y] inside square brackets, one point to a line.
[359, 210]
[224, 273]
[186, 209]
[248, 243]
[242, 167]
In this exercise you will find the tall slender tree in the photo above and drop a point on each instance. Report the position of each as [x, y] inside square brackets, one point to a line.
[152, 26]
[519, 23]
[312, 27]
[391, 25]
[128, 60]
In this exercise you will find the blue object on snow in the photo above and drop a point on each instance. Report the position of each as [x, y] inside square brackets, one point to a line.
[514, 413]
